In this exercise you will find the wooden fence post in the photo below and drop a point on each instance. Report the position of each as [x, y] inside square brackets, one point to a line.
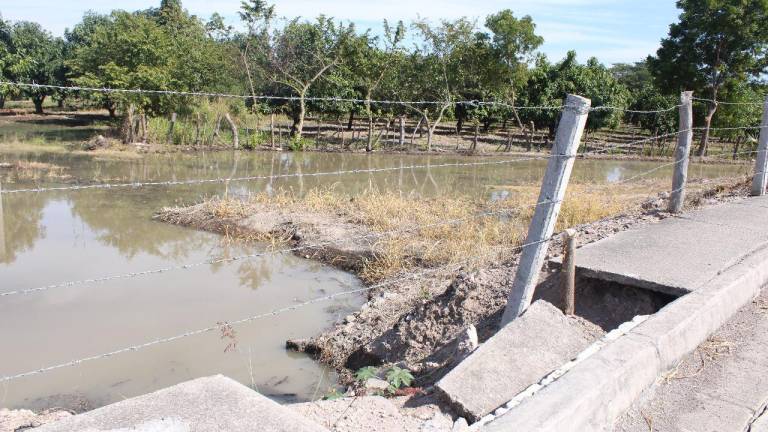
[564, 150]
[761, 166]
[682, 153]
[568, 272]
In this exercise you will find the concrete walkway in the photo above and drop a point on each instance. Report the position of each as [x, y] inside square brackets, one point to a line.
[680, 254]
[722, 386]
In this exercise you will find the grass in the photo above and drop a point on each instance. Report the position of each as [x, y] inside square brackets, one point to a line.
[432, 232]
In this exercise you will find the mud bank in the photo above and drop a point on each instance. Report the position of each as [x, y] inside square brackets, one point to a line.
[417, 322]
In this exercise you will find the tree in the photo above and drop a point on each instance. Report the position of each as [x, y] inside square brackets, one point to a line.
[514, 42]
[5, 59]
[369, 66]
[550, 83]
[430, 72]
[36, 58]
[715, 43]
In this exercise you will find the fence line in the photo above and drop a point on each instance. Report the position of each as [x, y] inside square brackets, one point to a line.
[321, 99]
[726, 103]
[260, 254]
[271, 313]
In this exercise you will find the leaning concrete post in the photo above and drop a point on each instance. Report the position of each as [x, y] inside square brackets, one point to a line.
[2, 226]
[761, 166]
[553, 187]
[568, 272]
[682, 152]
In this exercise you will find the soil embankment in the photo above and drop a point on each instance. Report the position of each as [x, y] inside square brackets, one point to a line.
[414, 318]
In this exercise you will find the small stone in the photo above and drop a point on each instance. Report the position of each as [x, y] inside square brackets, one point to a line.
[350, 319]
[460, 425]
[376, 384]
[466, 343]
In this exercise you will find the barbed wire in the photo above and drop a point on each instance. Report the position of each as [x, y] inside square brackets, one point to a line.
[108, 90]
[449, 269]
[132, 275]
[717, 102]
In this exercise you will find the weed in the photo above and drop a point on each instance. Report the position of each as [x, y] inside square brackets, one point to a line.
[398, 377]
[366, 373]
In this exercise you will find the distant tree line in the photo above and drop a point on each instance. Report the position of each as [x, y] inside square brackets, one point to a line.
[717, 49]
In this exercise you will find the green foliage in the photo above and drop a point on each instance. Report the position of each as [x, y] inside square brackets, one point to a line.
[365, 373]
[33, 55]
[715, 42]
[549, 84]
[333, 394]
[398, 377]
[298, 143]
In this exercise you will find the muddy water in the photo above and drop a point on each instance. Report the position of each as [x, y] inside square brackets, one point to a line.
[52, 237]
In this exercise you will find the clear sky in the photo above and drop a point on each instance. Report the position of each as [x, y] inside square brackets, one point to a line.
[611, 30]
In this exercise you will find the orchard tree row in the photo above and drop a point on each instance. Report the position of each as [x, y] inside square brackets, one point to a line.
[717, 49]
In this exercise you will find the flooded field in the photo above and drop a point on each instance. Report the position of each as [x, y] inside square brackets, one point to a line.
[52, 237]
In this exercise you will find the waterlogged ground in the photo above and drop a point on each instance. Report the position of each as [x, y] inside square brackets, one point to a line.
[52, 237]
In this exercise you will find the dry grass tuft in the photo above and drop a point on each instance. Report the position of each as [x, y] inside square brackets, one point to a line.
[425, 232]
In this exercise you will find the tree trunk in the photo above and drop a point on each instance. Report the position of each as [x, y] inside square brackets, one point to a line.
[272, 130]
[475, 138]
[144, 131]
[401, 140]
[531, 131]
[2, 101]
[416, 129]
[128, 125]
[233, 128]
[38, 101]
[351, 120]
[302, 113]
[369, 142]
[704, 143]
[736, 147]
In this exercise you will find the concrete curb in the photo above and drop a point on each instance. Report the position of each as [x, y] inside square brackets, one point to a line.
[602, 387]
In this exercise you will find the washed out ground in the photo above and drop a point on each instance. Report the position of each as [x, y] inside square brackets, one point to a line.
[415, 322]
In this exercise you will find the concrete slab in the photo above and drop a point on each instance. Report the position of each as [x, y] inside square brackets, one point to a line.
[678, 255]
[372, 414]
[519, 355]
[722, 386]
[599, 389]
[761, 424]
[207, 404]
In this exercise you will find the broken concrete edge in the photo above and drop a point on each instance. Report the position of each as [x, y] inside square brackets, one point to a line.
[562, 370]
[631, 280]
[596, 391]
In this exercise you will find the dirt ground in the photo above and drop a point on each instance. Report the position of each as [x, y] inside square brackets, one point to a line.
[414, 321]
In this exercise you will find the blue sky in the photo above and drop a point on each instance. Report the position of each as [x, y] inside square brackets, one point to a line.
[611, 30]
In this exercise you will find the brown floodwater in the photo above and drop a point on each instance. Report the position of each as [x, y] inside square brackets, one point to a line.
[52, 237]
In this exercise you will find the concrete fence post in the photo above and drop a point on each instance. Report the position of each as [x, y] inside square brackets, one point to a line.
[568, 272]
[2, 225]
[761, 166]
[682, 153]
[569, 132]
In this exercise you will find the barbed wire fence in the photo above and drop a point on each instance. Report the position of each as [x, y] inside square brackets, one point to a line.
[560, 162]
